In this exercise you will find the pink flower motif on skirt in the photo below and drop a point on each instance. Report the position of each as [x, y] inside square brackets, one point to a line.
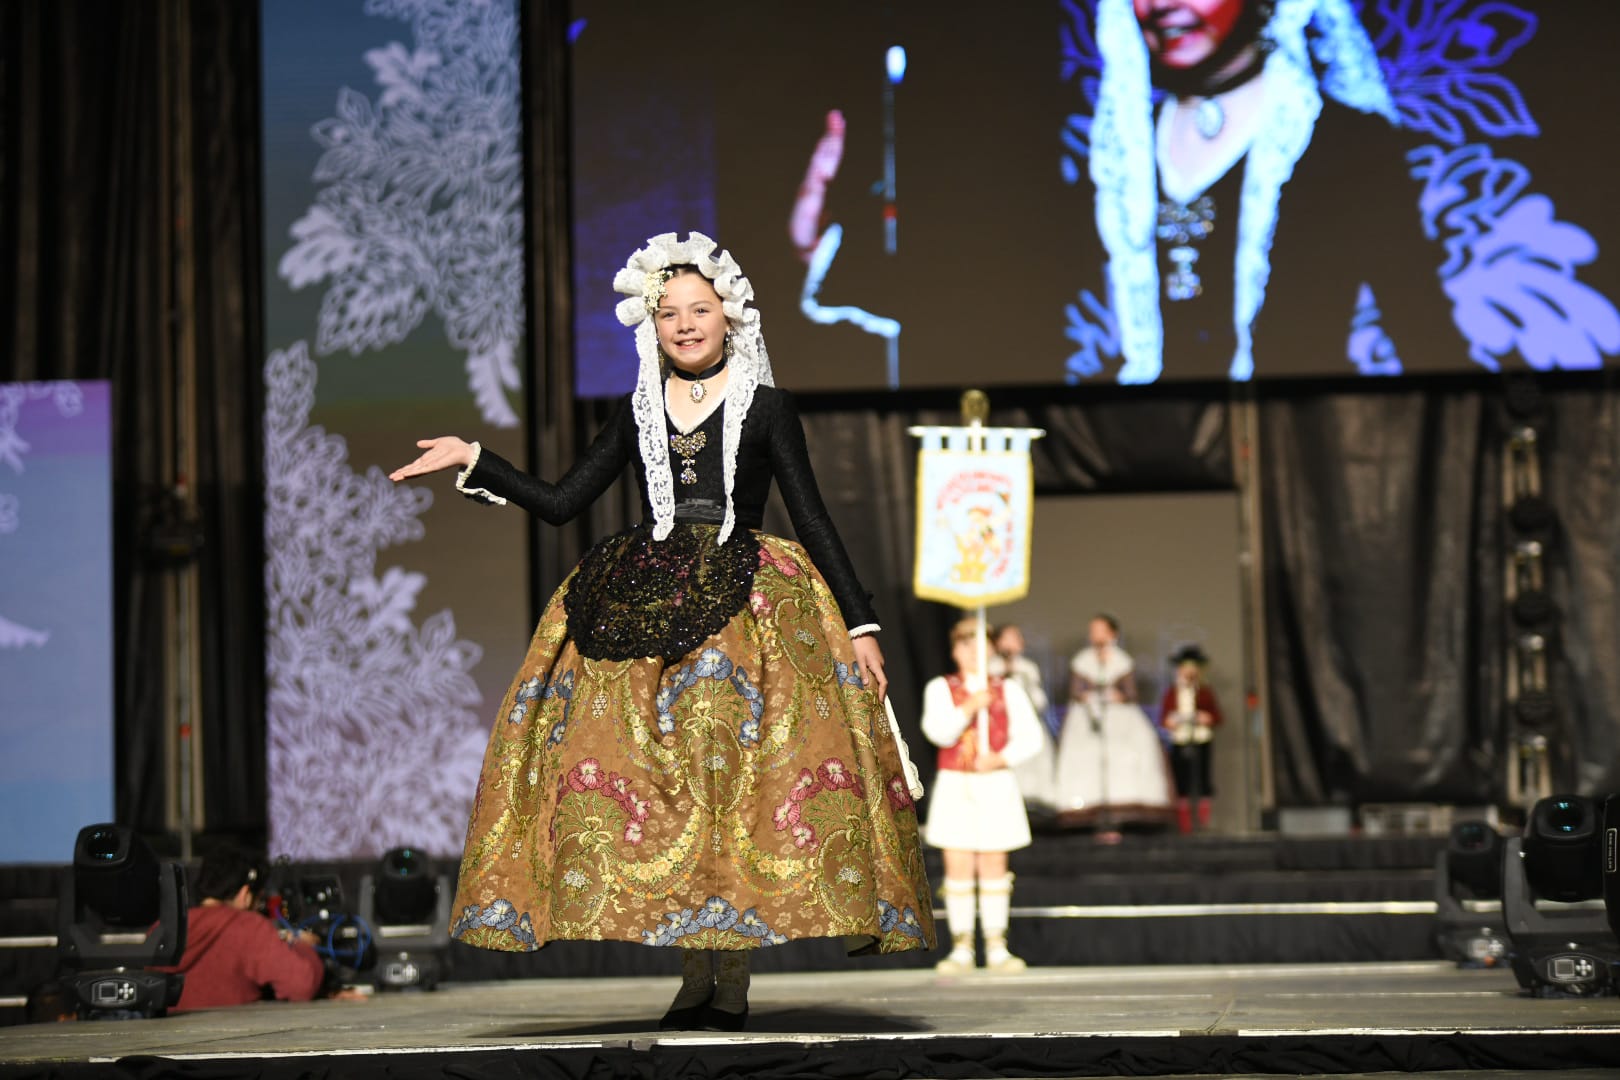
[785, 566]
[804, 836]
[805, 786]
[632, 832]
[586, 776]
[786, 815]
[758, 604]
[899, 794]
[835, 775]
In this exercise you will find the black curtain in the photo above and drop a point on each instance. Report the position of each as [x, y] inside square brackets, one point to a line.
[1387, 636]
[111, 113]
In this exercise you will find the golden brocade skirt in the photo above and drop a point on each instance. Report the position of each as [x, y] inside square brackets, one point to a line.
[746, 794]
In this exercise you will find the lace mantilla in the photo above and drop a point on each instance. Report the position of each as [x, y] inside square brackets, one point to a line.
[634, 597]
[1124, 169]
[750, 363]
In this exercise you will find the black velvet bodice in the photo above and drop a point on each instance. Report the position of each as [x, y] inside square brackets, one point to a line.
[1198, 332]
[702, 502]
[772, 446]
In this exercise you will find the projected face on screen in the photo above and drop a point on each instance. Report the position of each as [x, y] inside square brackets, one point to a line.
[1186, 33]
[1245, 188]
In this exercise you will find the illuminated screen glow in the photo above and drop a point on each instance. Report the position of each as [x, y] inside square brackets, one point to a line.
[927, 196]
[56, 616]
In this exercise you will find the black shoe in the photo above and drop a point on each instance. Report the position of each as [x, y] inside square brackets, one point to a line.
[687, 1017]
[720, 1020]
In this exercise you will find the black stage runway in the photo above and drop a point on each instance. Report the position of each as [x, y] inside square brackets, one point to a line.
[1151, 899]
[866, 1021]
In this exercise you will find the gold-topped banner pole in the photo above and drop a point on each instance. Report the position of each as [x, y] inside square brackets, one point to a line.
[975, 508]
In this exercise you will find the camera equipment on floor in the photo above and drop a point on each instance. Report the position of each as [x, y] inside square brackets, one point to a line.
[407, 904]
[313, 902]
[1552, 880]
[119, 911]
[1468, 896]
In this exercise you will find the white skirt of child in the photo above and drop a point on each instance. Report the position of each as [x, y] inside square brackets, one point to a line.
[976, 812]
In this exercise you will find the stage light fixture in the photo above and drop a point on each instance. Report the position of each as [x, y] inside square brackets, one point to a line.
[119, 911]
[1468, 891]
[407, 905]
[1611, 861]
[1562, 854]
[1551, 881]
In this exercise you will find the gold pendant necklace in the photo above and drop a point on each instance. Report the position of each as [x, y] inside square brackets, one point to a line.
[698, 391]
[687, 448]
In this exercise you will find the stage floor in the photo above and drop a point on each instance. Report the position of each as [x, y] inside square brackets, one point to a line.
[867, 1021]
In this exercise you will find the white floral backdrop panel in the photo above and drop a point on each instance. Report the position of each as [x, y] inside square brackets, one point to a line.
[394, 242]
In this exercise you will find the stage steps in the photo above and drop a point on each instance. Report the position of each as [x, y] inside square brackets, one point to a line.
[1150, 899]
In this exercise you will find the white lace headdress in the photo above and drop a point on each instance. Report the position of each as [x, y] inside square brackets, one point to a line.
[642, 283]
[1123, 167]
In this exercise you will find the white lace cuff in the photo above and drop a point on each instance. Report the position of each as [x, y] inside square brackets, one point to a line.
[481, 493]
[863, 629]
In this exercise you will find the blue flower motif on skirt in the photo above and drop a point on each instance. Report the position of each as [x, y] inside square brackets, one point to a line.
[750, 925]
[562, 688]
[671, 928]
[749, 693]
[683, 679]
[892, 918]
[713, 664]
[748, 734]
[717, 914]
[500, 915]
[527, 692]
[468, 920]
[710, 664]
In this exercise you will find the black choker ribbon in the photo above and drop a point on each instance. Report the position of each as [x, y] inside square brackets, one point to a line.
[706, 374]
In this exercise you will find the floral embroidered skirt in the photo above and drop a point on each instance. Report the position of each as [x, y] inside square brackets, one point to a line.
[743, 795]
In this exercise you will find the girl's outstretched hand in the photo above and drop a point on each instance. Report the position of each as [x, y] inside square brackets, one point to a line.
[445, 452]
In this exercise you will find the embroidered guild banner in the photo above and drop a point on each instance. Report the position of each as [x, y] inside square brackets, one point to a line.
[974, 511]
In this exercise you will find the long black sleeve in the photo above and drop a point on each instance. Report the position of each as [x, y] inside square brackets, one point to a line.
[790, 463]
[589, 476]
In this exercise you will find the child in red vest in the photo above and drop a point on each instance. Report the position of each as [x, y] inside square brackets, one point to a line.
[1190, 713]
[976, 812]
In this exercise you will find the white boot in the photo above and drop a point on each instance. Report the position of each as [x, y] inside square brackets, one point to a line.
[995, 910]
[959, 904]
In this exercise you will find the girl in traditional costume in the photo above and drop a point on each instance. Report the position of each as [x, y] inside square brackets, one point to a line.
[695, 752]
[984, 729]
[1111, 766]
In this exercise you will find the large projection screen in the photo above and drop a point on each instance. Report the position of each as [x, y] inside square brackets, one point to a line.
[937, 195]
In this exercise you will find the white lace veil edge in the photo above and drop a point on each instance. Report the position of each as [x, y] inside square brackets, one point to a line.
[1123, 170]
[750, 364]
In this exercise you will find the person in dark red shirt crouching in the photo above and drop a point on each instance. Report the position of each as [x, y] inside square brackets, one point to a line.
[235, 955]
